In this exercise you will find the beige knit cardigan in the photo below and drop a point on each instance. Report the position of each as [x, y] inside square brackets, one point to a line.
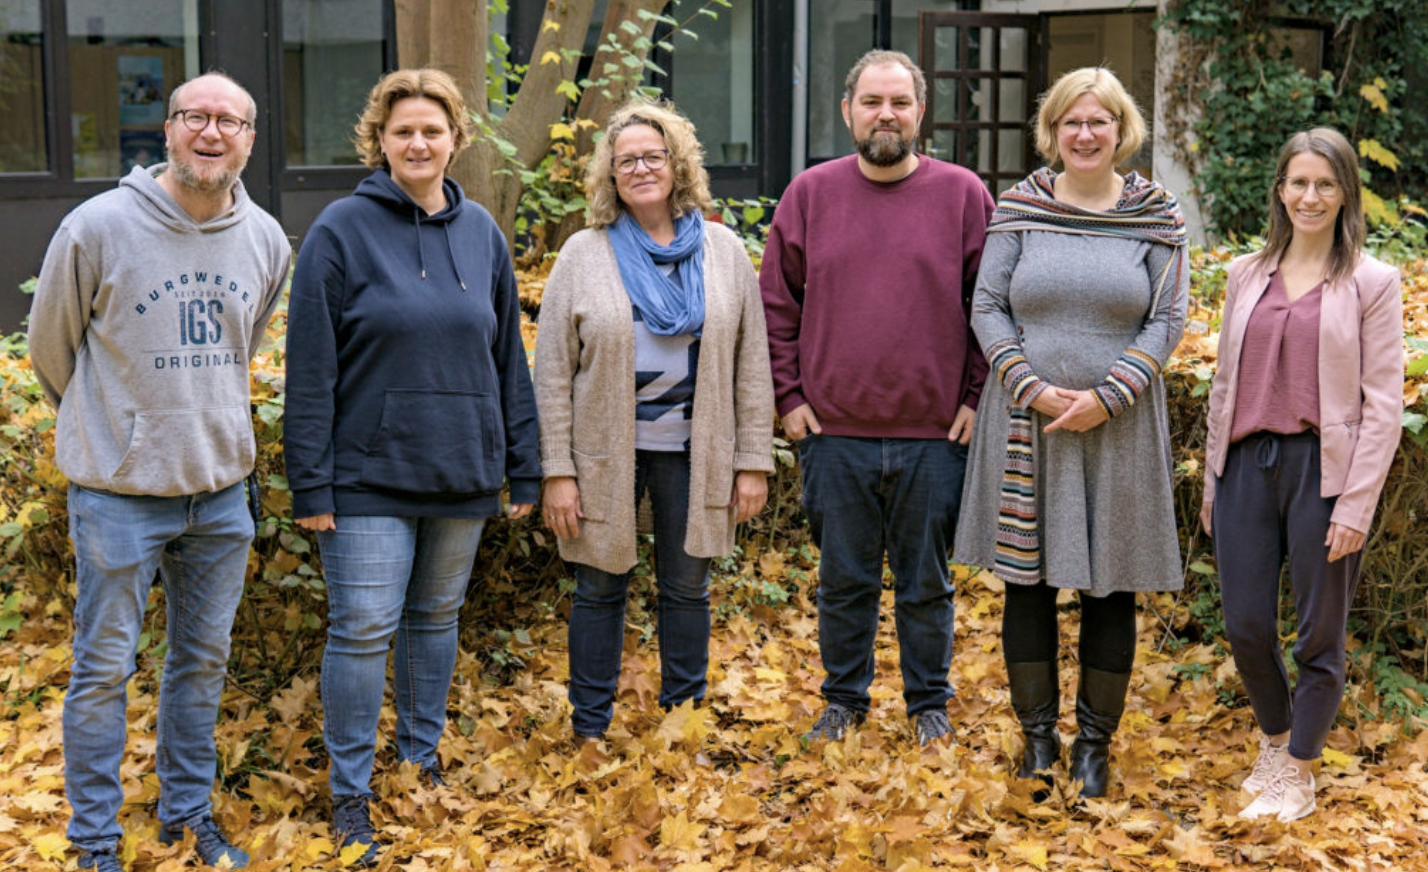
[585, 393]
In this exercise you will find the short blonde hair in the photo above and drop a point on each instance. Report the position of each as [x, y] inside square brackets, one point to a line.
[686, 160]
[1108, 90]
[398, 85]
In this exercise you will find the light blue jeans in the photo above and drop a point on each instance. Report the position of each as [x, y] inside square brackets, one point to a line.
[198, 545]
[386, 577]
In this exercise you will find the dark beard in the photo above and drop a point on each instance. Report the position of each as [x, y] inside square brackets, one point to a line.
[884, 151]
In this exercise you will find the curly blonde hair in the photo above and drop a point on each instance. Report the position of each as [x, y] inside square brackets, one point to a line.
[398, 85]
[1108, 90]
[686, 160]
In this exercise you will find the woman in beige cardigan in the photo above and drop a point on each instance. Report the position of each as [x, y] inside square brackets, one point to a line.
[1305, 415]
[652, 375]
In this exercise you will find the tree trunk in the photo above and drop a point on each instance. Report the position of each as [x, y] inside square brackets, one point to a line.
[452, 35]
[597, 104]
[447, 35]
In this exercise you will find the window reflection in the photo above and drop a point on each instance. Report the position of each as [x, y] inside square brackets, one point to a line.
[22, 94]
[333, 53]
[713, 84]
[840, 32]
[124, 61]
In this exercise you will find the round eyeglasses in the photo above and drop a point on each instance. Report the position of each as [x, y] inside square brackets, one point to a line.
[654, 161]
[197, 121]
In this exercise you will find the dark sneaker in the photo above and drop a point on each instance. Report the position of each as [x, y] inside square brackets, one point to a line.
[834, 722]
[930, 726]
[432, 776]
[209, 841]
[100, 860]
[352, 825]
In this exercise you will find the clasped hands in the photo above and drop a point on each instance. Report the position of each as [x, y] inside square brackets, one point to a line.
[1077, 411]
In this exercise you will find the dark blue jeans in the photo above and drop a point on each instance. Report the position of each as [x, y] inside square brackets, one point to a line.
[597, 618]
[870, 497]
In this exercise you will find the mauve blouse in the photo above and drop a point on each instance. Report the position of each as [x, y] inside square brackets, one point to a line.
[1279, 365]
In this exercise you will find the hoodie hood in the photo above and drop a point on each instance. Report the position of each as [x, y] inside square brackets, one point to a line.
[382, 188]
[143, 182]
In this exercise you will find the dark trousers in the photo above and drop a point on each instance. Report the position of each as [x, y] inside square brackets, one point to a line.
[1107, 639]
[1268, 510]
[597, 616]
[870, 497]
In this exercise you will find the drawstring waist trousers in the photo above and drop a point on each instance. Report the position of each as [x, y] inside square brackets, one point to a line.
[1268, 511]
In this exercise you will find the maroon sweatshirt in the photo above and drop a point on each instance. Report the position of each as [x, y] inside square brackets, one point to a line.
[867, 287]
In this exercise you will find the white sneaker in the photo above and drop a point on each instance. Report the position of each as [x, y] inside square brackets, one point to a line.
[1271, 760]
[1285, 797]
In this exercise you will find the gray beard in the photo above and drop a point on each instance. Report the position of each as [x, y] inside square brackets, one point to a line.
[186, 176]
[884, 151]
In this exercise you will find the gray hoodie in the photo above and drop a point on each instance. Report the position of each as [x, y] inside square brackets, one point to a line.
[141, 332]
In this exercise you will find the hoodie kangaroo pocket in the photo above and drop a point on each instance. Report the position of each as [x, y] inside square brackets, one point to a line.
[185, 451]
[438, 442]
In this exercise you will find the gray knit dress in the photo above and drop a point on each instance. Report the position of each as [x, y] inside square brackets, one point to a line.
[1104, 506]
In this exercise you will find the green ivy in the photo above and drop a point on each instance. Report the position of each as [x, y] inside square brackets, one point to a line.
[1251, 97]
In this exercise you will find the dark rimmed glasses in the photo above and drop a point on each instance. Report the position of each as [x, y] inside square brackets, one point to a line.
[654, 161]
[197, 121]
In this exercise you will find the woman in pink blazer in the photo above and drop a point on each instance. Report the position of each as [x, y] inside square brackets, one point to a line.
[1305, 416]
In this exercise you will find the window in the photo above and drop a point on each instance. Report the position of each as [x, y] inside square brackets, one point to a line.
[333, 53]
[1122, 41]
[840, 32]
[124, 60]
[713, 83]
[22, 93]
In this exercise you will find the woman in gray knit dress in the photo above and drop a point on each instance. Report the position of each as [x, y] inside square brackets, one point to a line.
[1080, 299]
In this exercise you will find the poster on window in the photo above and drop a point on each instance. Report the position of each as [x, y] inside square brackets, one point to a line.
[139, 148]
[141, 90]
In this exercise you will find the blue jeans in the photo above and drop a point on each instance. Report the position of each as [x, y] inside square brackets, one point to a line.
[597, 618]
[198, 546]
[402, 577]
[864, 498]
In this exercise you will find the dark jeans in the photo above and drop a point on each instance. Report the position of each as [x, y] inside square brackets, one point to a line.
[597, 618]
[1107, 640]
[865, 498]
[1268, 509]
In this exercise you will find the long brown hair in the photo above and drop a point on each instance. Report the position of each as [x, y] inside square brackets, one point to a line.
[1349, 229]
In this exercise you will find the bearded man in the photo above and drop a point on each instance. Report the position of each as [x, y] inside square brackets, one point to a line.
[151, 302]
[867, 283]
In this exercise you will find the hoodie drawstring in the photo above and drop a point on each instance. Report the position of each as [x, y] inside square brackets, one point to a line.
[446, 229]
[451, 252]
[421, 253]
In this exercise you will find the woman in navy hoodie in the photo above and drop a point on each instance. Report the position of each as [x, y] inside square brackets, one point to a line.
[409, 405]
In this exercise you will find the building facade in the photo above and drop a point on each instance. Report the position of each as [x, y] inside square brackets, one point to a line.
[84, 87]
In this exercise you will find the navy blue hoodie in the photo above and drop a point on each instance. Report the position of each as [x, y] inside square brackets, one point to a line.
[408, 392]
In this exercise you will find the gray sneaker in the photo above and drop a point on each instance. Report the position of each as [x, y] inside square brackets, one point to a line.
[930, 726]
[834, 722]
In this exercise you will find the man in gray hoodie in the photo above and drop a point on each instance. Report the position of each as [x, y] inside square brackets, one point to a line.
[152, 300]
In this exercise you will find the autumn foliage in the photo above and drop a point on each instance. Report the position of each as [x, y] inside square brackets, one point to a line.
[730, 785]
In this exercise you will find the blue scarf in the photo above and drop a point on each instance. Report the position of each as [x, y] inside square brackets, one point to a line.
[668, 307]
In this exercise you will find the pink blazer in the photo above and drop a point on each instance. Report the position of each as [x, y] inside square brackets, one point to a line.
[1360, 381]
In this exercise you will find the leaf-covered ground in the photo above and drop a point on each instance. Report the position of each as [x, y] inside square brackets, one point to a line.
[730, 785]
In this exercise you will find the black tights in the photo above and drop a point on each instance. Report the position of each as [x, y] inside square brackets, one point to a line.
[1107, 627]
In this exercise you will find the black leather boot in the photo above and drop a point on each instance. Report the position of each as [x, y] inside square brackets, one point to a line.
[1036, 699]
[1100, 701]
